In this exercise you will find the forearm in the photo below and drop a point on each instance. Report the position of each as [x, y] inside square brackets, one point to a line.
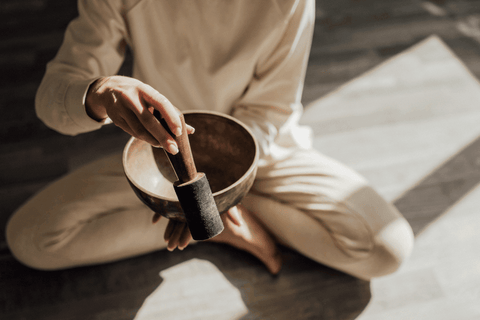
[93, 47]
[60, 104]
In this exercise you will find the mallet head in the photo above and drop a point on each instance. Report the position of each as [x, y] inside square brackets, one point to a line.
[198, 205]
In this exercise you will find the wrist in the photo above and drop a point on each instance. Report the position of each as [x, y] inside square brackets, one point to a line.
[93, 105]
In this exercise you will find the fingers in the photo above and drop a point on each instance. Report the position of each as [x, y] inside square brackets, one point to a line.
[169, 230]
[150, 128]
[137, 129]
[130, 103]
[156, 217]
[147, 127]
[126, 101]
[166, 108]
[176, 235]
[185, 238]
[190, 129]
[233, 215]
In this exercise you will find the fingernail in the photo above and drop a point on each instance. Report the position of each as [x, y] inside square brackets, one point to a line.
[170, 249]
[178, 131]
[172, 148]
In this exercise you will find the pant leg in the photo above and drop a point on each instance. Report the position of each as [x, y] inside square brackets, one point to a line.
[87, 217]
[309, 202]
[329, 213]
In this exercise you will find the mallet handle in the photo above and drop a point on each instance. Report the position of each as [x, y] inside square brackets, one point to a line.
[182, 162]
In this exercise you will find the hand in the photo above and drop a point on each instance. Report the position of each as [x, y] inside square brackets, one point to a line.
[129, 103]
[176, 235]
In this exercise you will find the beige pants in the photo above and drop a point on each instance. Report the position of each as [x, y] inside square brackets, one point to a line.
[310, 202]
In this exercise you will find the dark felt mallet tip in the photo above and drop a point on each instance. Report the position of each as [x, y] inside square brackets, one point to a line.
[199, 207]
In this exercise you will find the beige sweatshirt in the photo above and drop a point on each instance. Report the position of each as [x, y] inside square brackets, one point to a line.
[246, 58]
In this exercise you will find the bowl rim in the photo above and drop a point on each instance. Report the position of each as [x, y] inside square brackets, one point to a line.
[252, 167]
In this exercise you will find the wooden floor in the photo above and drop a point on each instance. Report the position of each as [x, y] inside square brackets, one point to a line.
[391, 90]
[417, 139]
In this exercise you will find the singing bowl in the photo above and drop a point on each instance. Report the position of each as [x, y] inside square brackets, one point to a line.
[223, 148]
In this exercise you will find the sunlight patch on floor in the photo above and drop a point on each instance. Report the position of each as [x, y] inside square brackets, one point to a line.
[400, 121]
[186, 292]
[440, 280]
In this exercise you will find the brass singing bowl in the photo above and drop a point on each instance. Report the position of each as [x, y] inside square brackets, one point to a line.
[223, 148]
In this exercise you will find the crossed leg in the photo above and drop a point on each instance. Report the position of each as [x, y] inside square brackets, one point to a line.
[329, 213]
[87, 217]
[92, 216]
[309, 202]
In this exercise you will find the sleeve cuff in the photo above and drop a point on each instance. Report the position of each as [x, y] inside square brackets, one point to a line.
[75, 105]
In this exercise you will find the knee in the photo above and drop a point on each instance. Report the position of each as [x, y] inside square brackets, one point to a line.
[392, 248]
[22, 245]
[16, 240]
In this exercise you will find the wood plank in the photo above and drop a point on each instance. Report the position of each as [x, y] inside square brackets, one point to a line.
[408, 151]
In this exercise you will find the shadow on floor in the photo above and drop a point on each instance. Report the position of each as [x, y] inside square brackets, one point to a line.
[442, 188]
[304, 290]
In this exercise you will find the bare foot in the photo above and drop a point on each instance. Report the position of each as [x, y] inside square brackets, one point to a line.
[244, 232]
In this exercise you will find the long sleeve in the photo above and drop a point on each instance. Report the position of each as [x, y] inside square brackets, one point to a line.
[271, 105]
[93, 46]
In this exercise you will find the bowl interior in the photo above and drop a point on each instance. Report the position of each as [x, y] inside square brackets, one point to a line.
[222, 149]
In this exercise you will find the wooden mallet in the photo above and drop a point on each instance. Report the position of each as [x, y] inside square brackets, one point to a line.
[192, 188]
